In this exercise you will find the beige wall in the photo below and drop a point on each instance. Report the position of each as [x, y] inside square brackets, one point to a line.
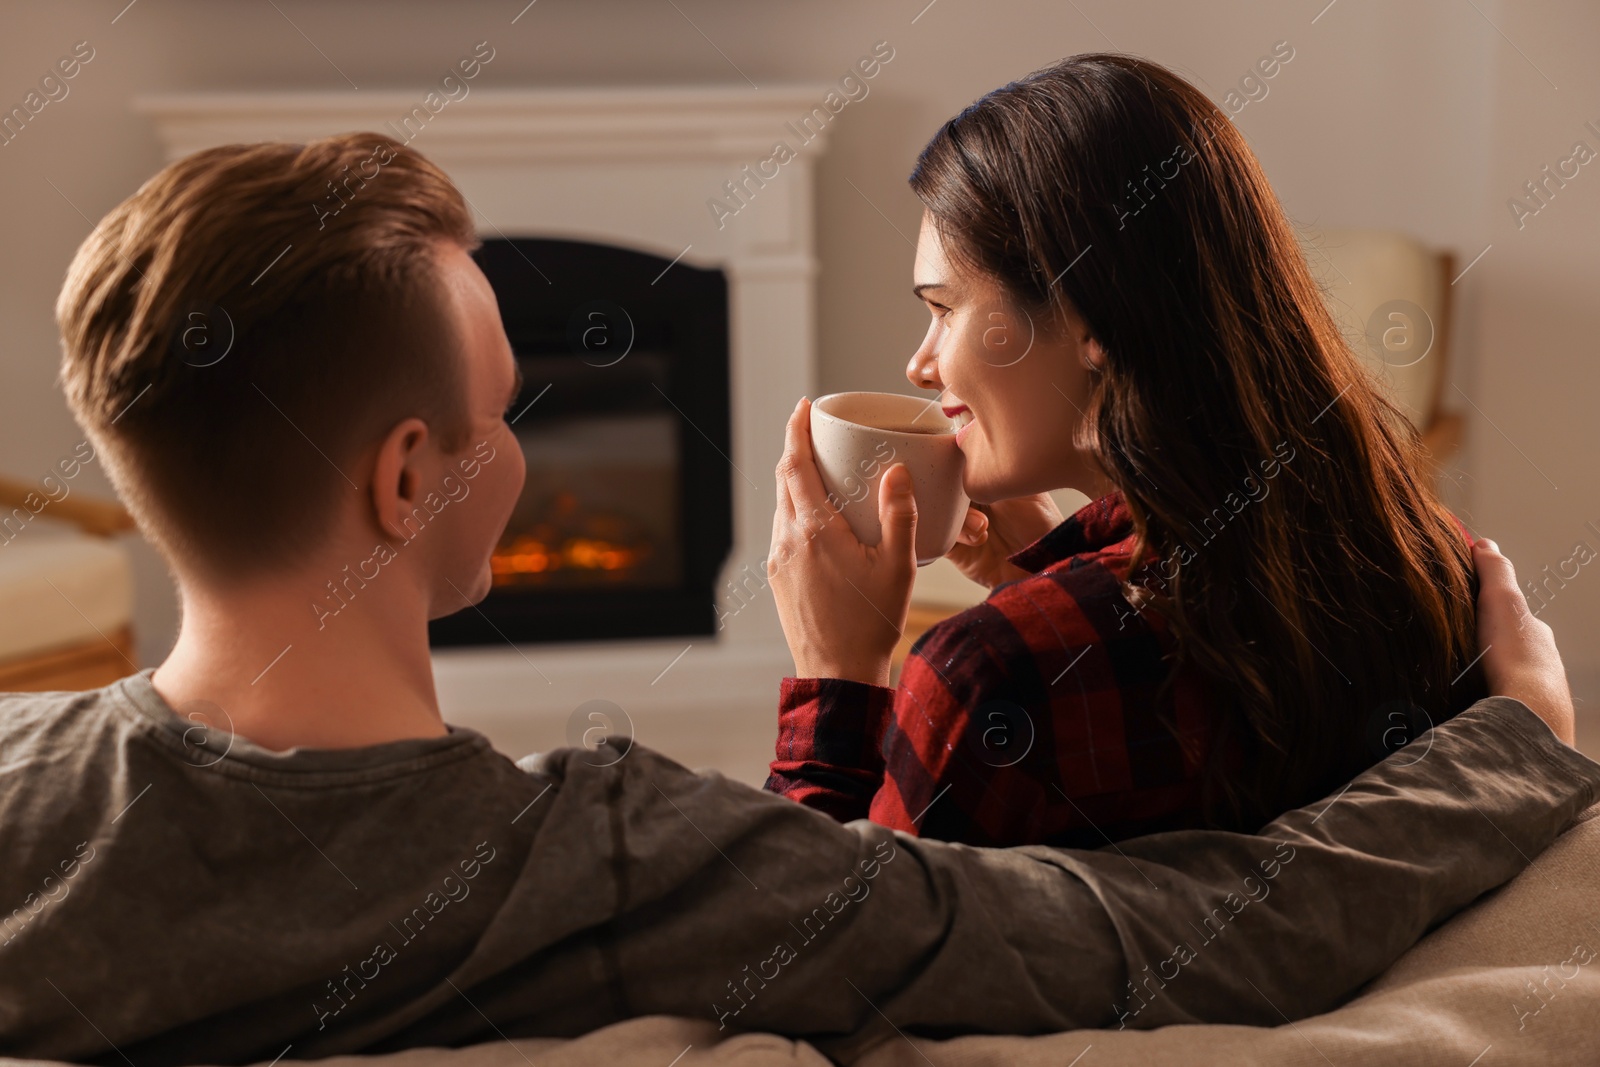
[1419, 117]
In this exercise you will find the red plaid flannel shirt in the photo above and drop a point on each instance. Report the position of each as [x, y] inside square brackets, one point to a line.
[1029, 718]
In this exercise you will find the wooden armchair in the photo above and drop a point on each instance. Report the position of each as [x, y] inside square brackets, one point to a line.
[1377, 280]
[65, 597]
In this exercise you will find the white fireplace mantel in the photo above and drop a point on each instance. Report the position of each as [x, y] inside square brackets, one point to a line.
[634, 167]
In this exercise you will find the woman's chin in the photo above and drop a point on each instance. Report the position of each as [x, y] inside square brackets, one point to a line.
[982, 483]
[981, 490]
[985, 486]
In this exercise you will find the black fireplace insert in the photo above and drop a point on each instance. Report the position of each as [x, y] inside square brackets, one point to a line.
[626, 517]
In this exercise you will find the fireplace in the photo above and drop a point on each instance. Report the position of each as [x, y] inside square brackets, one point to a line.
[626, 517]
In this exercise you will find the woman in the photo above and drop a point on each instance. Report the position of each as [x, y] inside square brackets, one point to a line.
[1120, 306]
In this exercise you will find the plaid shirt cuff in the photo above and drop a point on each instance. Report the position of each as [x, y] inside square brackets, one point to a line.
[829, 753]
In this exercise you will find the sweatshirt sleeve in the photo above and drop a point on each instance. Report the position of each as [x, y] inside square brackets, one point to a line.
[830, 733]
[734, 905]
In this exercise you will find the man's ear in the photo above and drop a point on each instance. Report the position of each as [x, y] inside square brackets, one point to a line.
[397, 476]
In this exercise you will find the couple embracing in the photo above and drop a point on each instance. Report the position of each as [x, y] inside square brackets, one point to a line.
[1211, 754]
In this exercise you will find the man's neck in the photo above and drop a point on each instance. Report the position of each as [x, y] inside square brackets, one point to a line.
[260, 663]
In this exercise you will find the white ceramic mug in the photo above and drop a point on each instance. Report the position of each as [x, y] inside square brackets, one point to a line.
[858, 436]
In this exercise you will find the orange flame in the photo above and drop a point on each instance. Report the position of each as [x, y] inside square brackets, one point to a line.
[527, 556]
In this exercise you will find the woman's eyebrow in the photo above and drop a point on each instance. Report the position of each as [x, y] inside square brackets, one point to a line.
[918, 289]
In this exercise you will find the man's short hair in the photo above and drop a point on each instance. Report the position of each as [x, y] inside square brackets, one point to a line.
[239, 332]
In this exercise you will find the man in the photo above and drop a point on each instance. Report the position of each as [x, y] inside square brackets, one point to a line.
[273, 843]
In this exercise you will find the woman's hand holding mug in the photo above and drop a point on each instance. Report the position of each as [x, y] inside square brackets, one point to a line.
[993, 532]
[843, 604]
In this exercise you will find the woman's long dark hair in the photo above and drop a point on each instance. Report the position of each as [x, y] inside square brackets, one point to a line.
[1281, 503]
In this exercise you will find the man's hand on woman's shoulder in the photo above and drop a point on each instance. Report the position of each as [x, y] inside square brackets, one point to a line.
[1520, 659]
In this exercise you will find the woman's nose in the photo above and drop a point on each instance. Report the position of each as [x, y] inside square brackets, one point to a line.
[923, 370]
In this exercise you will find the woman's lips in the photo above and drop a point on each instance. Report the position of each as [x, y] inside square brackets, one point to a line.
[954, 413]
[964, 431]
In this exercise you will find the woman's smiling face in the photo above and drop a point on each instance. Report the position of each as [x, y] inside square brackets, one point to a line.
[1021, 385]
